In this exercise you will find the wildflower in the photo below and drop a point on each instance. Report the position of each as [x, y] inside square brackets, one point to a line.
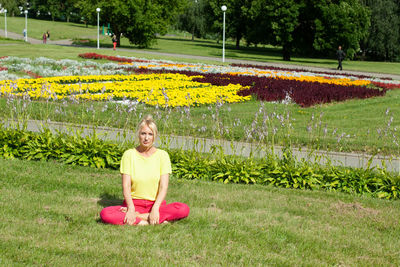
[340, 137]
[325, 130]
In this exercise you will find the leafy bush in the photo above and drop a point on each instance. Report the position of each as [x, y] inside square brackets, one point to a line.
[71, 149]
[285, 172]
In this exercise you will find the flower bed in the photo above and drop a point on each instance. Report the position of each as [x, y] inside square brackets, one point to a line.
[302, 87]
[304, 93]
[153, 89]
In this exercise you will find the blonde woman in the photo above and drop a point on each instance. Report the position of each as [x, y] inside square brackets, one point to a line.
[145, 175]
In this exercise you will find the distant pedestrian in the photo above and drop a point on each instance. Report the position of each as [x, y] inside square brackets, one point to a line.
[24, 33]
[114, 41]
[48, 34]
[44, 37]
[340, 56]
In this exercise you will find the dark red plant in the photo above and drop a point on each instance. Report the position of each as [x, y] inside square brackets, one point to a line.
[111, 58]
[386, 85]
[32, 74]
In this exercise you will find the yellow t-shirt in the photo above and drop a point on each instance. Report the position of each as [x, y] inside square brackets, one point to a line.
[145, 172]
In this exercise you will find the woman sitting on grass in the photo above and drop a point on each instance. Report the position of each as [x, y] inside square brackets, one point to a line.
[145, 174]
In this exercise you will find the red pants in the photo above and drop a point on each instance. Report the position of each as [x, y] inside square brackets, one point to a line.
[171, 212]
[115, 45]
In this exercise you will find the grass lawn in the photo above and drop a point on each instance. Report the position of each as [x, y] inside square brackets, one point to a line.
[362, 124]
[184, 45]
[21, 49]
[58, 30]
[49, 216]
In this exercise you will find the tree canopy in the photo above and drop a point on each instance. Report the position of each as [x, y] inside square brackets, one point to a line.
[364, 28]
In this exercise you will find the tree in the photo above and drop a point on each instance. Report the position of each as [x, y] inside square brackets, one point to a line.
[345, 23]
[193, 18]
[273, 22]
[383, 40]
[137, 20]
[237, 17]
[12, 6]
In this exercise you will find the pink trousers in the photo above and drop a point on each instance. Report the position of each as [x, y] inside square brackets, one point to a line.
[171, 212]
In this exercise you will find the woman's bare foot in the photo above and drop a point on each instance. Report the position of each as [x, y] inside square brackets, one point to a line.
[143, 216]
[143, 223]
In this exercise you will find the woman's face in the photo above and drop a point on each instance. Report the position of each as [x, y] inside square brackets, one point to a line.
[146, 137]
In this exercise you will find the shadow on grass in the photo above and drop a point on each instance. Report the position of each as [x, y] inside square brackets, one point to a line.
[79, 26]
[109, 200]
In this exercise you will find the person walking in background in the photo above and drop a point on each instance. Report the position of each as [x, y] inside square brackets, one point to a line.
[48, 34]
[44, 37]
[340, 56]
[114, 41]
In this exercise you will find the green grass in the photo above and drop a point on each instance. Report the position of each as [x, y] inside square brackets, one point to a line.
[49, 216]
[184, 45]
[21, 49]
[58, 30]
[209, 48]
[360, 119]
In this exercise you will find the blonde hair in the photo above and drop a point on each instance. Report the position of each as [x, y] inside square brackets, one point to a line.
[149, 122]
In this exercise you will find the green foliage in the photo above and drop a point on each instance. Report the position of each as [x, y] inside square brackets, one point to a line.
[12, 6]
[345, 24]
[383, 41]
[137, 20]
[285, 172]
[193, 19]
[70, 149]
[308, 27]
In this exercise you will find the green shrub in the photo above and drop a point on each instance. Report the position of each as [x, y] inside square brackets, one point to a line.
[285, 172]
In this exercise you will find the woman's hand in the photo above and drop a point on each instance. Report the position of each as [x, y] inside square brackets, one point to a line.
[130, 217]
[154, 217]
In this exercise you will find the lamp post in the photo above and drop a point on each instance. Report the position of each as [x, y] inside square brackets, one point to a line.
[223, 8]
[5, 22]
[26, 25]
[98, 27]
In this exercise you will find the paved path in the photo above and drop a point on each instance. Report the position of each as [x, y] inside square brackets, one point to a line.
[16, 36]
[228, 60]
[228, 147]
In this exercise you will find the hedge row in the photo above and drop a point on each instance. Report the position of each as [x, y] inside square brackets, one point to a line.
[285, 172]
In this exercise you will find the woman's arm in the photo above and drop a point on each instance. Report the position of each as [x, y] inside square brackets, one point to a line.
[130, 216]
[162, 193]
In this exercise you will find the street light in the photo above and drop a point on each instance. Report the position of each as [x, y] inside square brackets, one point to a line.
[223, 8]
[5, 22]
[26, 25]
[98, 27]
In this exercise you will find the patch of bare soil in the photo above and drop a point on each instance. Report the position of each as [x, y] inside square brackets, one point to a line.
[355, 209]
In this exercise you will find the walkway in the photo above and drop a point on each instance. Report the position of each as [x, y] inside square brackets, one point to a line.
[228, 60]
[206, 145]
[16, 36]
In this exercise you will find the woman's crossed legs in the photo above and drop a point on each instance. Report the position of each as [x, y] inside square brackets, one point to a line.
[171, 212]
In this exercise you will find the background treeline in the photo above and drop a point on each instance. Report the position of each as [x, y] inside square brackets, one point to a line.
[367, 29]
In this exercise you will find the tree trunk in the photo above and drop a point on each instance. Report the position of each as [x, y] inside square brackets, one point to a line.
[118, 35]
[286, 51]
[238, 38]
